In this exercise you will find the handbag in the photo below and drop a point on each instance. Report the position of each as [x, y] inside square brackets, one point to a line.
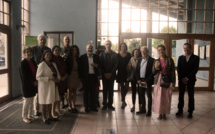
[164, 82]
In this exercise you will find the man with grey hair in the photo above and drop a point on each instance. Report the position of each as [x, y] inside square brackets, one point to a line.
[145, 78]
[89, 71]
[37, 55]
[109, 64]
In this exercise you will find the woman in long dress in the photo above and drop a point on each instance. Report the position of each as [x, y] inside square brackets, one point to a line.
[47, 76]
[164, 83]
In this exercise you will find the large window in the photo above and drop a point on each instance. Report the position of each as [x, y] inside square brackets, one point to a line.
[25, 20]
[4, 13]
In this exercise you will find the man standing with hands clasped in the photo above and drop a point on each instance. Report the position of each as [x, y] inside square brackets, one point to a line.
[188, 66]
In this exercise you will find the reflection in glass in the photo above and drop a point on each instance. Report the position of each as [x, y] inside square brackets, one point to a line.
[152, 46]
[133, 43]
[3, 50]
[202, 79]
[4, 90]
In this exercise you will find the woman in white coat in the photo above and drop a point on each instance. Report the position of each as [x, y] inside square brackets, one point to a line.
[48, 77]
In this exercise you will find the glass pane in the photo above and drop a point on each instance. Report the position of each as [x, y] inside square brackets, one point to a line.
[190, 27]
[209, 16]
[155, 16]
[135, 14]
[177, 49]
[62, 35]
[26, 29]
[113, 29]
[143, 26]
[163, 27]
[155, 27]
[1, 5]
[172, 27]
[104, 16]
[182, 27]
[203, 52]
[22, 3]
[102, 28]
[126, 14]
[202, 79]
[104, 3]
[53, 39]
[200, 15]
[200, 4]
[152, 44]
[163, 4]
[3, 51]
[115, 44]
[182, 15]
[1, 18]
[199, 28]
[6, 7]
[173, 15]
[4, 90]
[126, 26]
[144, 4]
[101, 42]
[26, 4]
[126, 3]
[26, 16]
[135, 26]
[163, 15]
[135, 3]
[209, 4]
[113, 3]
[143, 14]
[113, 15]
[191, 15]
[133, 43]
[6, 19]
[182, 4]
[209, 28]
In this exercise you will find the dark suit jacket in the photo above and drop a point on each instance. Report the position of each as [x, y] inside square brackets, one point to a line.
[37, 53]
[27, 78]
[84, 66]
[149, 75]
[188, 69]
[109, 66]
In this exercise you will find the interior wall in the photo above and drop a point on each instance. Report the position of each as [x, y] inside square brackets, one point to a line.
[65, 15]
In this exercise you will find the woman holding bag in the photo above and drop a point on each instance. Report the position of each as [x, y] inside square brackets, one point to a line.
[164, 83]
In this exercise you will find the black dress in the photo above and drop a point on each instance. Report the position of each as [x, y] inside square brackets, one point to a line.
[122, 72]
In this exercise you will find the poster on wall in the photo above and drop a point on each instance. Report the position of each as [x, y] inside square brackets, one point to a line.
[196, 49]
[208, 51]
[31, 41]
[202, 52]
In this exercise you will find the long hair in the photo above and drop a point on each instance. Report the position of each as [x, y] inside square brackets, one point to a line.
[71, 51]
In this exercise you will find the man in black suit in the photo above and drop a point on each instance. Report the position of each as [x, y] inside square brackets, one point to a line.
[89, 64]
[145, 78]
[109, 64]
[188, 66]
[37, 55]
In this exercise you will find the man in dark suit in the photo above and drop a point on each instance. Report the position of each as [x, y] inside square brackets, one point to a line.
[188, 66]
[37, 55]
[89, 64]
[145, 78]
[109, 64]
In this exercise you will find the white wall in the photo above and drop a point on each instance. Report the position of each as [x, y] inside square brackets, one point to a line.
[65, 15]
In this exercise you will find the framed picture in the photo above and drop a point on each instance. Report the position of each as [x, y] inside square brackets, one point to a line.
[202, 51]
[196, 49]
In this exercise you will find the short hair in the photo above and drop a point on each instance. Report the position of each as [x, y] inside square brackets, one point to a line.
[161, 45]
[108, 41]
[126, 47]
[138, 50]
[145, 47]
[88, 45]
[188, 44]
[28, 48]
[56, 46]
[41, 36]
[44, 53]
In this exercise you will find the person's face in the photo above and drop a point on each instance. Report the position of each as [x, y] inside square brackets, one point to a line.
[187, 50]
[41, 41]
[89, 49]
[144, 52]
[136, 54]
[161, 51]
[56, 51]
[48, 56]
[74, 51]
[108, 46]
[66, 41]
[123, 47]
[28, 54]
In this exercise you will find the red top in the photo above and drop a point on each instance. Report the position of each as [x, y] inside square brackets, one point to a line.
[32, 67]
[163, 66]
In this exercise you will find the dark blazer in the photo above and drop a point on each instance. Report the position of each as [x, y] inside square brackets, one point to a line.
[109, 66]
[69, 64]
[188, 69]
[27, 78]
[149, 75]
[84, 66]
[37, 53]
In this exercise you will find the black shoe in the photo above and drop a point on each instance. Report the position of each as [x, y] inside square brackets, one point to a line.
[124, 104]
[87, 110]
[111, 108]
[190, 115]
[74, 110]
[141, 112]
[104, 108]
[94, 109]
[53, 119]
[38, 114]
[132, 109]
[64, 106]
[46, 122]
[179, 113]
[149, 113]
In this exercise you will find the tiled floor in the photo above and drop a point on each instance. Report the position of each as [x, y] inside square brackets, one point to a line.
[124, 122]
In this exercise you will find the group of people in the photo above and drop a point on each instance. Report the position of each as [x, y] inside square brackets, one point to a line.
[51, 76]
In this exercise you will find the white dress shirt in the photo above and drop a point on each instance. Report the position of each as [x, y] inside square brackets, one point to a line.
[143, 67]
[90, 62]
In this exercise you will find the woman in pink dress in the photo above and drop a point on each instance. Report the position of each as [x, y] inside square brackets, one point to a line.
[164, 83]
